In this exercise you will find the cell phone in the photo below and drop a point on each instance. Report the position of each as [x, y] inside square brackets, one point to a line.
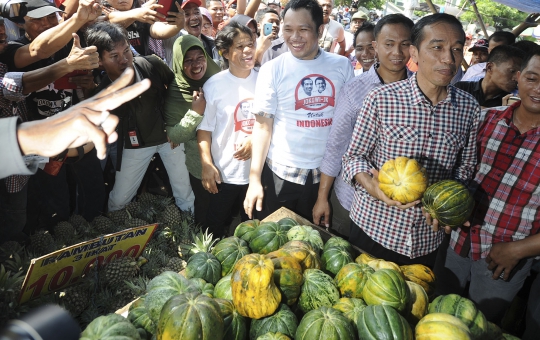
[168, 6]
[63, 83]
[513, 99]
[267, 28]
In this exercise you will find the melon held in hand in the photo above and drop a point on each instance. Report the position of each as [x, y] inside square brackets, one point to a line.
[403, 179]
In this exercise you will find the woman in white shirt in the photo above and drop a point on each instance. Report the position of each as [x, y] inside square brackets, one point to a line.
[224, 134]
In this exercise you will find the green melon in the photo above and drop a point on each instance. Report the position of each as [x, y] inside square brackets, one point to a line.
[308, 234]
[336, 241]
[163, 287]
[138, 316]
[449, 202]
[235, 325]
[465, 310]
[283, 321]
[325, 323]
[190, 316]
[383, 322]
[351, 308]
[245, 230]
[268, 237]
[110, 327]
[352, 278]
[318, 290]
[335, 258]
[387, 287]
[223, 288]
[228, 251]
[204, 266]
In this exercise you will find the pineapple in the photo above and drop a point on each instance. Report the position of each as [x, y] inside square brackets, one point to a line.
[134, 222]
[171, 216]
[176, 264]
[103, 225]
[42, 243]
[123, 295]
[147, 211]
[64, 231]
[133, 208]
[10, 285]
[147, 197]
[10, 247]
[138, 285]
[76, 298]
[119, 217]
[78, 222]
[89, 314]
[118, 270]
[203, 243]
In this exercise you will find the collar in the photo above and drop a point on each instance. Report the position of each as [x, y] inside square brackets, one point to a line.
[373, 73]
[418, 96]
[508, 113]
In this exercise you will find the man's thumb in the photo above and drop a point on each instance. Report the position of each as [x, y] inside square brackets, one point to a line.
[76, 40]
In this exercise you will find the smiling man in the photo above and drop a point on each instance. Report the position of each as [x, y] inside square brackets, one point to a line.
[422, 118]
[193, 26]
[141, 131]
[392, 41]
[333, 34]
[291, 128]
[495, 254]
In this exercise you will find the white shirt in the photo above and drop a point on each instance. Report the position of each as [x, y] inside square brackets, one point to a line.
[302, 114]
[228, 115]
[333, 33]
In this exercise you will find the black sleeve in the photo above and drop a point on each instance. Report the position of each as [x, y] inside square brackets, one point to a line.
[162, 69]
[8, 56]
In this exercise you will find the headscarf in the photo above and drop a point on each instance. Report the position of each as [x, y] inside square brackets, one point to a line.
[180, 91]
[179, 98]
[206, 13]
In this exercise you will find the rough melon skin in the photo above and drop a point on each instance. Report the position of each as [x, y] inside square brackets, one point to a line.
[318, 290]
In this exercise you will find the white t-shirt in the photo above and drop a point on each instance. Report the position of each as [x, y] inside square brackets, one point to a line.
[475, 72]
[332, 34]
[228, 115]
[349, 37]
[301, 95]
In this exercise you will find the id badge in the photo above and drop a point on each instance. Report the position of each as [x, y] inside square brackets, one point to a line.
[133, 138]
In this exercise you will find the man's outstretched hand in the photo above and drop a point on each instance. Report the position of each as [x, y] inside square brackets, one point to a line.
[89, 121]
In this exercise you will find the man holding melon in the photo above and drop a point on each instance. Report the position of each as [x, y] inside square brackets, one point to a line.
[495, 254]
[420, 123]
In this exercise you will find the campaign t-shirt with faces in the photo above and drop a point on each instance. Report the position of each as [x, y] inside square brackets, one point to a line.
[301, 94]
[228, 115]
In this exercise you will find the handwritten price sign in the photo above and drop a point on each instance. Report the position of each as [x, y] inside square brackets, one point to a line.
[65, 267]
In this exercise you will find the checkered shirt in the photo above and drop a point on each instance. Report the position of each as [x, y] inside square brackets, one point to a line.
[398, 120]
[12, 104]
[506, 186]
[292, 174]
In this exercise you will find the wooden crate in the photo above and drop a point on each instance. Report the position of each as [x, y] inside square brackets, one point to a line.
[325, 234]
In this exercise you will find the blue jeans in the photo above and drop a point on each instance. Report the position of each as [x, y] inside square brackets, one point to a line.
[134, 165]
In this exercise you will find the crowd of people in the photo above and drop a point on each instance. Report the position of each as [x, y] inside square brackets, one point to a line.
[254, 106]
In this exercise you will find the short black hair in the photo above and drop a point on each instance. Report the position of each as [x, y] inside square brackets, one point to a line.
[417, 33]
[262, 12]
[503, 53]
[508, 38]
[526, 46]
[392, 19]
[307, 78]
[528, 57]
[320, 78]
[312, 6]
[225, 37]
[105, 36]
[365, 27]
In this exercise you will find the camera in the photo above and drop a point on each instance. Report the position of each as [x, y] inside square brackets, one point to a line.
[49, 322]
[13, 9]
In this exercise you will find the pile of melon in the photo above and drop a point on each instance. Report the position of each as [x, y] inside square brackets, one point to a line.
[278, 280]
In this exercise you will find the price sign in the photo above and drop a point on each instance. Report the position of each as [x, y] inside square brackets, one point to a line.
[65, 267]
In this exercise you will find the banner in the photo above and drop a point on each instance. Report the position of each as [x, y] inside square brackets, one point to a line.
[65, 267]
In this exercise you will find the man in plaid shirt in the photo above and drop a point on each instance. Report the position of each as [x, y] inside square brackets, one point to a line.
[422, 118]
[495, 254]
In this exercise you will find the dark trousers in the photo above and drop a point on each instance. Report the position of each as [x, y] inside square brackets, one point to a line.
[281, 193]
[51, 200]
[223, 206]
[12, 213]
[360, 239]
[202, 200]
